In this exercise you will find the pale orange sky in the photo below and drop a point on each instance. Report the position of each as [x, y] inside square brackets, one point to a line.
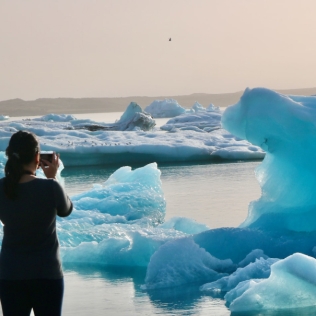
[113, 48]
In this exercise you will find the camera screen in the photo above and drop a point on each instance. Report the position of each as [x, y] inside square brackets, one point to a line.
[47, 156]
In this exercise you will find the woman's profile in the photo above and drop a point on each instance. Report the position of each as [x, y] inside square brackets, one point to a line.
[31, 276]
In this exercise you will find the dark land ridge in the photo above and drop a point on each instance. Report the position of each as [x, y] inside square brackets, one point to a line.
[19, 107]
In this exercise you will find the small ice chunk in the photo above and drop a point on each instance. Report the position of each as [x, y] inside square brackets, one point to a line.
[255, 270]
[180, 262]
[292, 284]
[165, 108]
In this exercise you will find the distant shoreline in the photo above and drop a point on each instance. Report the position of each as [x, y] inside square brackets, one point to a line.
[18, 107]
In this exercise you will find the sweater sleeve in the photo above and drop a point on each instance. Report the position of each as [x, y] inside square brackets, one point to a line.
[62, 201]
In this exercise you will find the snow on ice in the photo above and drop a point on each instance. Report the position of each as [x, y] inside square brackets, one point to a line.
[133, 138]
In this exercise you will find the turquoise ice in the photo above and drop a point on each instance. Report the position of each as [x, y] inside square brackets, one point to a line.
[281, 223]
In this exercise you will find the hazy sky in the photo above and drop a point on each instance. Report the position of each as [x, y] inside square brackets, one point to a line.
[113, 48]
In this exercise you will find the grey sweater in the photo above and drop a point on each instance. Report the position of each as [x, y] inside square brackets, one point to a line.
[30, 248]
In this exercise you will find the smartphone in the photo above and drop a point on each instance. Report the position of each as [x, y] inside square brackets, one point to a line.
[46, 155]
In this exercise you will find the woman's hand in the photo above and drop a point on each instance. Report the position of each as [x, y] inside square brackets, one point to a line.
[50, 168]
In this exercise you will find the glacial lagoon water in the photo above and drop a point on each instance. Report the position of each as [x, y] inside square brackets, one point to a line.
[213, 194]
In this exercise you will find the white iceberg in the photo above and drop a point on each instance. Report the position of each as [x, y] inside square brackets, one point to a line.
[165, 108]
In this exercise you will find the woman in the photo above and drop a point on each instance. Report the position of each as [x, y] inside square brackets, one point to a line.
[30, 269]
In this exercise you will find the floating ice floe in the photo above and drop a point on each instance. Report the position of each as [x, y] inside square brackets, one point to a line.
[4, 117]
[171, 108]
[197, 107]
[213, 108]
[292, 284]
[202, 121]
[189, 264]
[254, 270]
[191, 137]
[56, 118]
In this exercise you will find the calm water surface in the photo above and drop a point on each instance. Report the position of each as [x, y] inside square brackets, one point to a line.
[214, 194]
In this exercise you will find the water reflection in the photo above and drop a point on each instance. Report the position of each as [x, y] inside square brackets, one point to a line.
[306, 311]
[184, 300]
[122, 290]
[98, 290]
[214, 194]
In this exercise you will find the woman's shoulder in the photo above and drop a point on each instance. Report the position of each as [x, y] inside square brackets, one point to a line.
[40, 182]
[44, 180]
[51, 183]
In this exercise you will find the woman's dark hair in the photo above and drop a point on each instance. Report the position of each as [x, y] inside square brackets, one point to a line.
[21, 151]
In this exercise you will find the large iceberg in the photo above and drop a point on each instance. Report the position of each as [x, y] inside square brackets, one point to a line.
[279, 224]
[284, 126]
[134, 118]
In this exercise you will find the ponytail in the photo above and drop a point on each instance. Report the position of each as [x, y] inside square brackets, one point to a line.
[21, 151]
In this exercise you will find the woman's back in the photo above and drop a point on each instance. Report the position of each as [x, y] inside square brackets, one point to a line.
[30, 245]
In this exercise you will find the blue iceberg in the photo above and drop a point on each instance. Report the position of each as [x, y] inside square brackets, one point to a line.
[279, 225]
[284, 126]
